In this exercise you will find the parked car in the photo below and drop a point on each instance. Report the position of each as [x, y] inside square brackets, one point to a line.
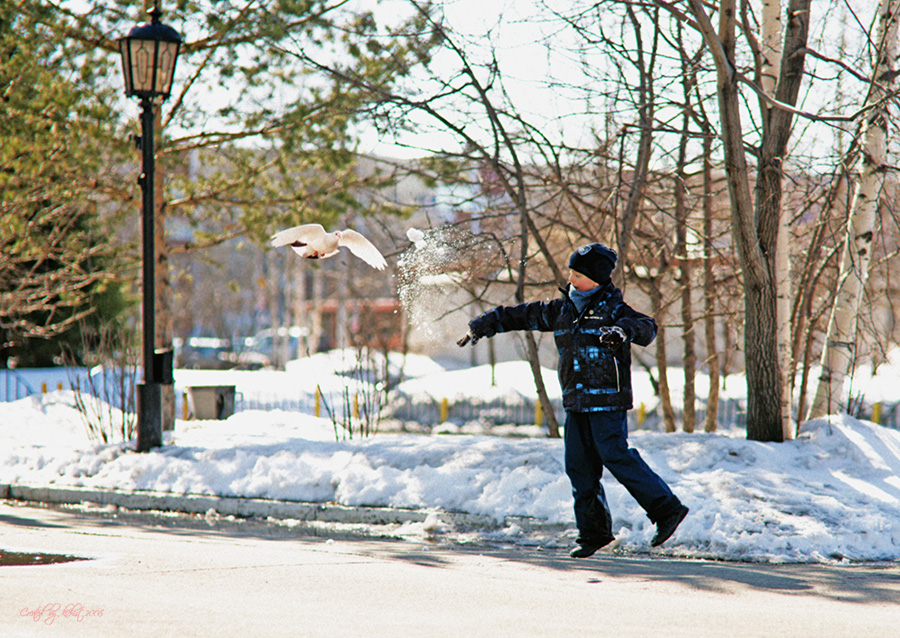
[205, 353]
[280, 344]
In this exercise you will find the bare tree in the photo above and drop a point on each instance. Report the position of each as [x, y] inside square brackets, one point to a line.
[685, 267]
[709, 288]
[659, 307]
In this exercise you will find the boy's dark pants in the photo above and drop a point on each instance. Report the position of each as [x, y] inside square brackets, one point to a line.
[597, 439]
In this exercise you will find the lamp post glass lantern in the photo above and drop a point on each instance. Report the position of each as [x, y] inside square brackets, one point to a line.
[149, 53]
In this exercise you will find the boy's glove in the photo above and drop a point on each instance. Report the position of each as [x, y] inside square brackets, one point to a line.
[468, 338]
[480, 326]
[612, 336]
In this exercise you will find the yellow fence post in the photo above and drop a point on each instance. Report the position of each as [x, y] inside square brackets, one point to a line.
[641, 415]
[538, 414]
[445, 409]
[355, 406]
[876, 413]
[318, 401]
[44, 387]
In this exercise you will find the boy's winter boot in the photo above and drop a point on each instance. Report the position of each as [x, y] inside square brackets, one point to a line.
[666, 526]
[588, 543]
[587, 547]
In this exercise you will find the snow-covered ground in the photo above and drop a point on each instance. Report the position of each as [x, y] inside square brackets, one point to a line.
[832, 495]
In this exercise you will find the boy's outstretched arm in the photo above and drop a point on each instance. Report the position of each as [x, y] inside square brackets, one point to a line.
[639, 328]
[527, 316]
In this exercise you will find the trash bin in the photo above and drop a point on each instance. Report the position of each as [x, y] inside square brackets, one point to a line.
[212, 401]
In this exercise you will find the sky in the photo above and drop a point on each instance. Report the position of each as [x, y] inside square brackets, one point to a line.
[830, 496]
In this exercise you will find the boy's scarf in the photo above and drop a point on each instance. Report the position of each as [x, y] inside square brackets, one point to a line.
[581, 299]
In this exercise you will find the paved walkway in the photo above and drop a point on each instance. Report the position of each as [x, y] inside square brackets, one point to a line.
[246, 507]
[151, 577]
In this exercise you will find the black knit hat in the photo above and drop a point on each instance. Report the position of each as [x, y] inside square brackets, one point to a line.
[594, 261]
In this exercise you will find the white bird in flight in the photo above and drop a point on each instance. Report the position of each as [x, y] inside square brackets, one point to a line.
[311, 241]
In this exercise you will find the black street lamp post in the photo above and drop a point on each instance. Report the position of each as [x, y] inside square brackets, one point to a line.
[149, 53]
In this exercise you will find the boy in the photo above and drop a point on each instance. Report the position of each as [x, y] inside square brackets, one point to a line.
[593, 329]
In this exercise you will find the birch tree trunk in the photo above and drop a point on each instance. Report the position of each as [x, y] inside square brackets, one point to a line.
[771, 46]
[770, 66]
[840, 354]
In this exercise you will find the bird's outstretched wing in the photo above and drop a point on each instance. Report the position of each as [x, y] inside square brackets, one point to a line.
[362, 248]
[306, 234]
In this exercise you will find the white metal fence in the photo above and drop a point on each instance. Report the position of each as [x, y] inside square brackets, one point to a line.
[731, 413]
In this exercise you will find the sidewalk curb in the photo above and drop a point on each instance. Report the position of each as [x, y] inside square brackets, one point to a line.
[260, 508]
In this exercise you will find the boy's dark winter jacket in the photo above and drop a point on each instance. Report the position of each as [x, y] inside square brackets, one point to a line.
[593, 378]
